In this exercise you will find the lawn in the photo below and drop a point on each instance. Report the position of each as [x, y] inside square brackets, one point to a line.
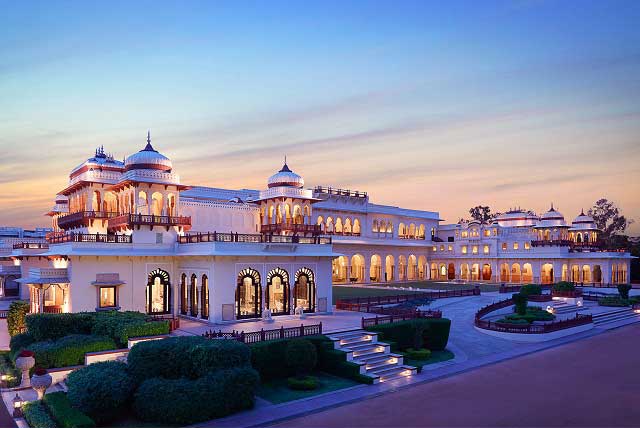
[436, 357]
[277, 391]
[346, 292]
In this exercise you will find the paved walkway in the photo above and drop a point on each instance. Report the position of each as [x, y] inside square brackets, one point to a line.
[592, 382]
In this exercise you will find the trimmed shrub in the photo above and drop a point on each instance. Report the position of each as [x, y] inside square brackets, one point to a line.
[418, 354]
[69, 350]
[16, 317]
[140, 328]
[531, 290]
[101, 390]
[301, 356]
[54, 326]
[436, 333]
[520, 302]
[184, 401]
[623, 290]
[37, 416]
[614, 301]
[66, 416]
[304, 383]
[564, 286]
[186, 356]
[269, 359]
[19, 342]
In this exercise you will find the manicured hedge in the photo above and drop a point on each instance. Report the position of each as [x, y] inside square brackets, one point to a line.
[185, 401]
[54, 326]
[69, 350]
[186, 356]
[66, 416]
[614, 301]
[435, 335]
[19, 342]
[623, 290]
[564, 286]
[101, 390]
[16, 316]
[139, 329]
[37, 416]
[531, 289]
[520, 303]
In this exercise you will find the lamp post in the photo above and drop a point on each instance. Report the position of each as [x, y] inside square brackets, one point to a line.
[3, 380]
[17, 406]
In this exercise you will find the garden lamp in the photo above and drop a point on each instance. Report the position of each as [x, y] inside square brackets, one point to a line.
[17, 406]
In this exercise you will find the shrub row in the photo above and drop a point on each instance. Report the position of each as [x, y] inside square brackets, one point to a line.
[101, 390]
[564, 286]
[435, 333]
[16, 317]
[531, 289]
[615, 301]
[186, 401]
[189, 357]
[64, 414]
[54, 326]
[69, 350]
[37, 416]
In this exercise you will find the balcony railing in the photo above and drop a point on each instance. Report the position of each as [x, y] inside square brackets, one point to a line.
[83, 218]
[90, 237]
[333, 232]
[30, 246]
[130, 220]
[341, 192]
[310, 229]
[252, 238]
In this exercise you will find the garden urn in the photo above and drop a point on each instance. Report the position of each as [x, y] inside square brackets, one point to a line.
[24, 362]
[40, 381]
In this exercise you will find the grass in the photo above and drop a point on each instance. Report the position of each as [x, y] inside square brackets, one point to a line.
[347, 292]
[277, 391]
[7, 367]
[436, 357]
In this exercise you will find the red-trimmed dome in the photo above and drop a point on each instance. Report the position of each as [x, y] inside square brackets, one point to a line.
[285, 178]
[148, 158]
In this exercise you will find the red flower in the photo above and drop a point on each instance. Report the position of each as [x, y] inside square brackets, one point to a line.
[40, 371]
[26, 353]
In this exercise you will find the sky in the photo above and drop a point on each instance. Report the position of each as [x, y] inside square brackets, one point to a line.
[439, 106]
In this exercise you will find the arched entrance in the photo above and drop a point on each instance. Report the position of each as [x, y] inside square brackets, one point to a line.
[442, 271]
[339, 269]
[183, 294]
[575, 273]
[158, 292]
[504, 272]
[451, 271]
[475, 272]
[434, 271]
[515, 272]
[304, 290]
[248, 294]
[277, 293]
[375, 268]
[597, 274]
[204, 294]
[586, 273]
[486, 272]
[390, 268]
[464, 271]
[546, 274]
[422, 266]
[412, 273]
[11, 286]
[194, 295]
[527, 273]
[402, 268]
[357, 268]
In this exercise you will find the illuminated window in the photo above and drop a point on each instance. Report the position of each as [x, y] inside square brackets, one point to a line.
[515, 246]
[457, 234]
[474, 249]
[441, 247]
[107, 297]
[527, 246]
[465, 234]
[435, 248]
[450, 247]
[487, 232]
[485, 249]
[504, 246]
[495, 232]
[464, 249]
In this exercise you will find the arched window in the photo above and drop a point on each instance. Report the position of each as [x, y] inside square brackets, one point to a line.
[320, 222]
[194, 295]
[329, 228]
[374, 227]
[183, 294]
[304, 291]
[277, 293]
[389, 227]
[248, 294]
[412, 230]
[401, 230]
[339, 225]
[356, 226]
[158, 292]
[204, 293]
[347, 226]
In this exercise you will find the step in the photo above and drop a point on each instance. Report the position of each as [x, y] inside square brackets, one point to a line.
[379, 357]
[364, 346]
[616, 311]
[355, 343]
[394, 372]
[368, 354]
[387, 362]
[616, 317]
[348, 334]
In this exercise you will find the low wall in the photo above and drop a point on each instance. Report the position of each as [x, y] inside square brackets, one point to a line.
[110, 355]
[132, 341]
[540, 337]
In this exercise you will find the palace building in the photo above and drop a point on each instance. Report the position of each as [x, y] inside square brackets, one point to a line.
[130, 236]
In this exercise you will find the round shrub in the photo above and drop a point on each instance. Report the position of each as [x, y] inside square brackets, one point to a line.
[564, 286]
[165, 358]
[304, 383]
[212, 355]
[531, 290]
[623, 290]
[418, 354]
[520, 302]
[301, 356]
[101, 390]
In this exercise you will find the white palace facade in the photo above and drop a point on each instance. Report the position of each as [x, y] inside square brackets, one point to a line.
[130, 236]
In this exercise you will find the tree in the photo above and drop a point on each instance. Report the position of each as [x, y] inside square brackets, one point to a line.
[608, 219]
[482, 214]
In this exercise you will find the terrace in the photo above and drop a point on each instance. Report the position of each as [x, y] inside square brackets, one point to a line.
[131, 221]
[90, 237]
[252, 238]
[83, 218]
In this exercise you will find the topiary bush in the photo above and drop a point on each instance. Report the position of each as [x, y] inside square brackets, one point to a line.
[101, 390]
[520, 302]
[436, 333]
[16, 317]
[37, 416]
[54, 326]
[531, 290]
[564, 286]
[64, 414]
[301, 356]
[268, 358]
[623, 290]
[69, 350]
[186, 401]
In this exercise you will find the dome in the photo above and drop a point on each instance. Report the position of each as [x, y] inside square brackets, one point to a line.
[148, 158]
[517, 218]
[552, 218]
[285, 178]
[583, 219]
[552, 214]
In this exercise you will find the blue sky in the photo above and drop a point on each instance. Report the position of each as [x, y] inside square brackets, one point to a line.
[439, 106]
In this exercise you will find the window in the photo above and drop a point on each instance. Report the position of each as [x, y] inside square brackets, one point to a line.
[107, 297]
[434, 248]
[441, 247]
[474, 249]
[527, 246]
[465, 234]
[487, 232]
[450, 238]
[515, 246]
[495, 232]
[504, 246]
[464, 249]
[485, 249]
[450, 247]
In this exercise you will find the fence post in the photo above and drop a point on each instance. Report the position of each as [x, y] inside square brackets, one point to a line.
[262, 334]
[281, 332]
[301, 330]
[320, 328]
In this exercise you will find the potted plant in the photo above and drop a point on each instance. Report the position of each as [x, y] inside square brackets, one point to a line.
[40, 381]
[25, 362]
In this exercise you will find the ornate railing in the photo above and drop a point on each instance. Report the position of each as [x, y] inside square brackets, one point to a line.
[31, 246]
[343, 233]
[340, 192]
[569, 294]
[365, 304]
[264, 335]
[552, 243]
[516, 288]
[387, 319]
[91, 237]
[82, 218]
[311, 229]
[251, 238]
[128, 220]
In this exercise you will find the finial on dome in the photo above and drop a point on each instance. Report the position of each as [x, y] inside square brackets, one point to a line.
[285, 167]
[149, 147]
[552, 209]
[581, 211]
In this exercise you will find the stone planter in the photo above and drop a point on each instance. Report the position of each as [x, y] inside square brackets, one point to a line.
[40, 383]
[25, 364]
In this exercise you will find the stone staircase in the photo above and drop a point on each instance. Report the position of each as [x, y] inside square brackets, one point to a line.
[561, 307]
[615, 316]
[374, 358]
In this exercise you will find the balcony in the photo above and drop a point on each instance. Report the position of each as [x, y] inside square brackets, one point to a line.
[131, 221]
[574, 246]
[31, 246]
[343, 233]
[90, 237]
[252, 238]
[278, 228]
[83, 218]
[552, 243]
